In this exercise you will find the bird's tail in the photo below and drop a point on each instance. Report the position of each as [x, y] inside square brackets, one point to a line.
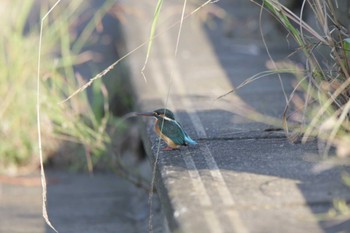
[190, 140]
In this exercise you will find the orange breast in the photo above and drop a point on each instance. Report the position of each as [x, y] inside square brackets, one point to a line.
[164, 137]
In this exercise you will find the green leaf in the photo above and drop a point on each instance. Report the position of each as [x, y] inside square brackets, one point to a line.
[154, 26]
[347, 46]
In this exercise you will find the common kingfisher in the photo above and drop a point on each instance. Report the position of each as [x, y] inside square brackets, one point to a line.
[169, 129]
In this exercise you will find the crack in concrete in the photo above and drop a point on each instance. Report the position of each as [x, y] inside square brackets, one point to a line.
[238, 138]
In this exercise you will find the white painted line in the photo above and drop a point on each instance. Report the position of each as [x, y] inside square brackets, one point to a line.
[203, 197]
[222, 188]
[236, 221]
[197, 182]
[214, 225]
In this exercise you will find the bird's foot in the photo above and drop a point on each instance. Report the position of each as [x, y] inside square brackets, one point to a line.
[168, 148]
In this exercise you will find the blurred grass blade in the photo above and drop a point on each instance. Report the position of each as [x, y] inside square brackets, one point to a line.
[180, 28]
[325, 44]
[26, 6]
[152, 35]
[42, 171]
[347, 46]
[91, 26]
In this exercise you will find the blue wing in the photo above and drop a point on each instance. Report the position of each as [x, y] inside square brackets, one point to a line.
[173, 130]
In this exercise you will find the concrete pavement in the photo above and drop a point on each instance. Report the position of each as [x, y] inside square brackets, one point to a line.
[242, 177]
[77, 203]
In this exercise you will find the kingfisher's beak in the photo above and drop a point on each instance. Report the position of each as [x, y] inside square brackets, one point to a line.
[145, 114]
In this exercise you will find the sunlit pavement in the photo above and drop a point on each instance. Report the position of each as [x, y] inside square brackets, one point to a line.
[244, 176]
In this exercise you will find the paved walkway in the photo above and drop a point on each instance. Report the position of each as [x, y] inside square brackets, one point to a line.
[76, 203]
[242, 177]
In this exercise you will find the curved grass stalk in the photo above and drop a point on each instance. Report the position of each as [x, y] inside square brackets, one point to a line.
[256, 77]
[42, 170]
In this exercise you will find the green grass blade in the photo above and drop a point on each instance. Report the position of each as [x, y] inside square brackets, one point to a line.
[152, 34]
